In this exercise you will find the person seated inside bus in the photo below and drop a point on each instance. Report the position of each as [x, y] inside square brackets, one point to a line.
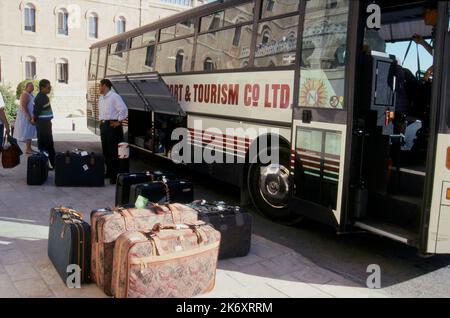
[430, 17]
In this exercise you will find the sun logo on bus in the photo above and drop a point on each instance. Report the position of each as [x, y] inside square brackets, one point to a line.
[313, 93]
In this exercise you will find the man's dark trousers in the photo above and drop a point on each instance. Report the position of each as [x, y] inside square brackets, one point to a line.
[111, 137]
[45, 139]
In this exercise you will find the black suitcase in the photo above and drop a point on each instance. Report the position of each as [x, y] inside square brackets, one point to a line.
[37, 170]
[172, 191]
[69, 243]
[79, 169]
[126, 180]
[234, 224]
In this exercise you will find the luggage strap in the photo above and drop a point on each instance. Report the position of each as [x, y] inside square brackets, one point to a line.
[151, 175]
[127, 217]
[168, 208]
[166, 189]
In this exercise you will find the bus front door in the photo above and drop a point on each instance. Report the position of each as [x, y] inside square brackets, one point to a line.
[320, 122]
[436, 223]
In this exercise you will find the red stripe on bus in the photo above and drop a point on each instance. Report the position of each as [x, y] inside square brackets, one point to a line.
[218, 145]
[240, 139]
[208, 139]
[327, 155]
[327, 162]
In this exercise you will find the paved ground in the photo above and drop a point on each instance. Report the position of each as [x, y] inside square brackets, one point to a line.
[306, 261]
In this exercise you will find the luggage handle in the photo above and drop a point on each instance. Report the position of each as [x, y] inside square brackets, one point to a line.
[70, 212]
[92, 159]
[67, 157]
[195, 227]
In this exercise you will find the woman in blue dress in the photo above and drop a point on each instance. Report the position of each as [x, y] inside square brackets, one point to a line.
[24, 130]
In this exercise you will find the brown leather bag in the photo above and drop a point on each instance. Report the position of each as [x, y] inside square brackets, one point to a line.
[11, 153]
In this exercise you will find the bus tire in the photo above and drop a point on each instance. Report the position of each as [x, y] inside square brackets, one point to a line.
[268, 186]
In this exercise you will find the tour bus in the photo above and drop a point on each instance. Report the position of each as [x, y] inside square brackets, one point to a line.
[362, 137]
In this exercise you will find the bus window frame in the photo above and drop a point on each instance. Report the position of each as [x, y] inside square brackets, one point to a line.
[250, 67]
[302, 11]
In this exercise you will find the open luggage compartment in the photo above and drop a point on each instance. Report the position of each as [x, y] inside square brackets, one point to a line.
[153, 112]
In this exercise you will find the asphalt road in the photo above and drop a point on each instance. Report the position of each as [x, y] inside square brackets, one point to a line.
[403, 273]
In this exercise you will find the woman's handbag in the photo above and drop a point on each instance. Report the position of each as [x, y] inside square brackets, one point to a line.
[11, 153]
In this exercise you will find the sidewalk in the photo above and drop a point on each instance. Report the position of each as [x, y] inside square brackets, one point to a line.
[269, 271]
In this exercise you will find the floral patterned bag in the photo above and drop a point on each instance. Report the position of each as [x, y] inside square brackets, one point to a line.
[107, 225]
[171, 261]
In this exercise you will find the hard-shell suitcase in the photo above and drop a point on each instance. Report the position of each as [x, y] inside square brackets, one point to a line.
[37, 170]
[107, 225]
[126, 180]
[79, 169]
[69, 243]
[180, 191]
[171, 261]
[234, 224]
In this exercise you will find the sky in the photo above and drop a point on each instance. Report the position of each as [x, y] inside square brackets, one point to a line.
[399, 49]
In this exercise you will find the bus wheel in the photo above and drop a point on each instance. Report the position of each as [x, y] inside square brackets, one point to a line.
[268, 185]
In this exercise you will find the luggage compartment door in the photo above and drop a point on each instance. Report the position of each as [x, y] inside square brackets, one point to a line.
[320, 121]
[147, 92]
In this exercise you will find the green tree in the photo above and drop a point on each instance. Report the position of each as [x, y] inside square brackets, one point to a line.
[10, 102]
[21, 87]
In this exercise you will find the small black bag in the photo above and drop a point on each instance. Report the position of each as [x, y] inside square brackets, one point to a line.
[37, 170]
[126, 180]
[234, 224]
[172, 191]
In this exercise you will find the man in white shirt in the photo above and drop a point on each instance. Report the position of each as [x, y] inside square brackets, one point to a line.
[3, 120]
[112, 112]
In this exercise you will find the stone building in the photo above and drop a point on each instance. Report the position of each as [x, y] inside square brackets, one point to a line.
[51, 39]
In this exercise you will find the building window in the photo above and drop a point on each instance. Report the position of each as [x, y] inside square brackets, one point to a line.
[208, 65]
[332, 4]
[63, 22]
[30, 18]
[277, 42]
[121, 25]
[149, 56]
[175, 56]
[62, 71]
[266, 36]
[237, 36]
[270, 5]
[217, 21]
[179, 61]
[30, 68]
[93, 26]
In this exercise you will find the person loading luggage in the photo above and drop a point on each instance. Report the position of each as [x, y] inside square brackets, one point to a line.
[112, 112]
[42, 117]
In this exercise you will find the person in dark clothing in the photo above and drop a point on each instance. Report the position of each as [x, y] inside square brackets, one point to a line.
[112, 112]
[42, 118]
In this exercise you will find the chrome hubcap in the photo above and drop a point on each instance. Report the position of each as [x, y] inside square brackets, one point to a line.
[274, 185]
